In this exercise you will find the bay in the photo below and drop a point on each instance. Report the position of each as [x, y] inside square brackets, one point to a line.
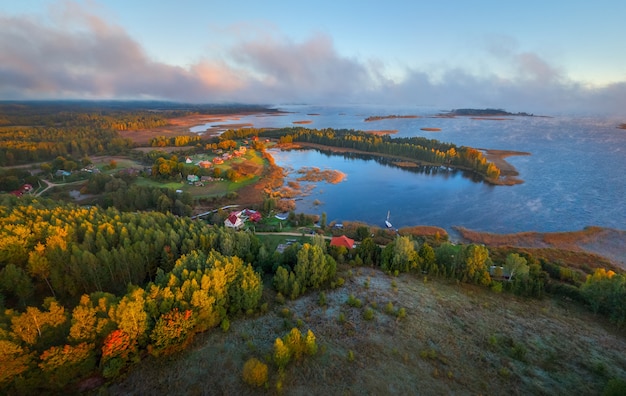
[574, 177]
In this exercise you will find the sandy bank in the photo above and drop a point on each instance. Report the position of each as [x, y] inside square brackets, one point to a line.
[431, 129]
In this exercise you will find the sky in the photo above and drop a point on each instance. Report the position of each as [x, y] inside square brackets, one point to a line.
[537, 56]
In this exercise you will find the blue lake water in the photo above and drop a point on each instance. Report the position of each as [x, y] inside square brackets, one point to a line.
[574, 177]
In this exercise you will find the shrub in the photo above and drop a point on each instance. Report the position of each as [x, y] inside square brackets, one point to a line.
[225, 325]
[282, 354]
[310, 344]
[368, 314]
[255, 372]
[496, 287]
[322, 299]
[354, 302]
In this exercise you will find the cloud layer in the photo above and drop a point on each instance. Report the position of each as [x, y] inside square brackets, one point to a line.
[76, 54]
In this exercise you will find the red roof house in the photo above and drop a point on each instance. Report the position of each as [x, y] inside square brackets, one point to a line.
[233, 220]
[342, 241]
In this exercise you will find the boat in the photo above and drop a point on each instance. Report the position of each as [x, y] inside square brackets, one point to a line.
[387, 223]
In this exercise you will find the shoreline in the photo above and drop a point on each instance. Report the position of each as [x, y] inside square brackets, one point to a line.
[587, 243]
[508, 173]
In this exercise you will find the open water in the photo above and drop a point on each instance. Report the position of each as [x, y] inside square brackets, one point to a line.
[575, 176]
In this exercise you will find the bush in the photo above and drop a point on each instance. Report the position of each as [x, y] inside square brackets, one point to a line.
[615, 387]
[322, 300]
[225, 325]
[368, 314]
[353, 301]
[255, 372]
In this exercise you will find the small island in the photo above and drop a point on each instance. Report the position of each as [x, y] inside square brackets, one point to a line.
[483, 113]
[393, 116]
[622, 126]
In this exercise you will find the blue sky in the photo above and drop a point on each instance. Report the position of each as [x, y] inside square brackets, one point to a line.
[524, 56]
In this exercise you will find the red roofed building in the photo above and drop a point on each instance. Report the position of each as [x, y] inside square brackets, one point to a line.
[233, 220]
[342, 241]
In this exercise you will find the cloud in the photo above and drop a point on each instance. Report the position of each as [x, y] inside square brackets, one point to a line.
[73, 53]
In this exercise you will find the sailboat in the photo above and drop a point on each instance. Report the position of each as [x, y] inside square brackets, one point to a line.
[387, 223]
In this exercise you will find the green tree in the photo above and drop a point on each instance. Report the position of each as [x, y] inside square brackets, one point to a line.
[427, 256]
[516, 266]
[362, 232]
[403, 256]
[369, 252]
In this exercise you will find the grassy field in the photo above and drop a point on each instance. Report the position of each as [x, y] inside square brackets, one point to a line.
[455, 339]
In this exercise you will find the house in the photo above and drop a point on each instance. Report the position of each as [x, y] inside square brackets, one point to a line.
[255, 217]
[499, 273]
[342, 241]
[233, 220]
[188, 160]
[252, 215]
[62, 173]
[218, 160]
[204, 164]
[192, 178]
[26, 188]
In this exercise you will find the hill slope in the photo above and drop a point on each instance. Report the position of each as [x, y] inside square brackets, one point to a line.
[456, 339]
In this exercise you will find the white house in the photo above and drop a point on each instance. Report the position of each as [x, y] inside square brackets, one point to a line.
[233, 220]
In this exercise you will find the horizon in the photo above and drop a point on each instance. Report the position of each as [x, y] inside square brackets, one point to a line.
[531, 57]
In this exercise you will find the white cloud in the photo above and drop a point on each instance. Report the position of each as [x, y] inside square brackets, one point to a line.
[76, 54]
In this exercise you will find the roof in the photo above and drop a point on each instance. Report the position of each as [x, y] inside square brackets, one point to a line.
[342, 241]
[233, 218]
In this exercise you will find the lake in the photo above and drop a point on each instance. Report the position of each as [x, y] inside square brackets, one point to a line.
[574, 177]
